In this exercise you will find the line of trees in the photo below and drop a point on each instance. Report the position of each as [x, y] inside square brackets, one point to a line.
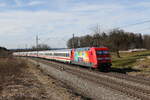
[41, 47]
[116, 40]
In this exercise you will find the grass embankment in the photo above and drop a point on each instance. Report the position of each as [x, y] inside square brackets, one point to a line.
[133, 61]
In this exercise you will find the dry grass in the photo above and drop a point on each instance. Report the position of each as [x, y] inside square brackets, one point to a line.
[16, 83]
[20, 80]
[10, 69]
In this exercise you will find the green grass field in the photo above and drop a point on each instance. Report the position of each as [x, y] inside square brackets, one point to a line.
[132, 60]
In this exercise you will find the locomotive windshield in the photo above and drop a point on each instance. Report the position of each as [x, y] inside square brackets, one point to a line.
[102, 52]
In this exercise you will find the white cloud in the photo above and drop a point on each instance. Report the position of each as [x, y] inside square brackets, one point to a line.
[18, 3]
[21, 3]
[20, 27]
[96, 7]
[25, 24]
[143, 4]
[3, 4]
[33, 3]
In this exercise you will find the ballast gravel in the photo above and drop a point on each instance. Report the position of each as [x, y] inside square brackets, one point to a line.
[86, 88]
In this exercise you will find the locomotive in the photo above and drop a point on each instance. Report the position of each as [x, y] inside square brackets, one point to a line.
[92, 57]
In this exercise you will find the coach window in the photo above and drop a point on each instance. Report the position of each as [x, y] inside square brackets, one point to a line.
[64, 54]
[67, 54]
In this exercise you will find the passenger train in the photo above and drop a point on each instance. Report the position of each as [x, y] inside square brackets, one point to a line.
[92, 57]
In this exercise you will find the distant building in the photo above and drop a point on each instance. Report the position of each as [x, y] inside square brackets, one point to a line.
[134, 50]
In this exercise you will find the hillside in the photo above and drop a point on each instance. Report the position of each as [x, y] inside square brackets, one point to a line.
[4, 52]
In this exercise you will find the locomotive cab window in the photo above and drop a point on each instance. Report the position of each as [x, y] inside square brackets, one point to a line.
[102, 52]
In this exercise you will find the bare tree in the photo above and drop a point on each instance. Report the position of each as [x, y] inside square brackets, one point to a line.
[146, 41]
[116, 40]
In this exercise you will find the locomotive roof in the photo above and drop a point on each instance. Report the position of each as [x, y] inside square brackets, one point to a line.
[82, 49]
[86, 48]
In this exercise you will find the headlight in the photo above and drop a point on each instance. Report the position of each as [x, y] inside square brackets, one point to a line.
[100, 58]
[107, 58]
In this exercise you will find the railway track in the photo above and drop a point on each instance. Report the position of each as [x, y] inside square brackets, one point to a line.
[134, 79]
[129, 90]
[129, 78]
[126, 77]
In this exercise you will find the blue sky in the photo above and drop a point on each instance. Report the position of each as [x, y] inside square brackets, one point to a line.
[56, 20]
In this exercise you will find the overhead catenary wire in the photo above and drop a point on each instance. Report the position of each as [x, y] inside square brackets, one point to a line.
[148, 28]
[138, 23]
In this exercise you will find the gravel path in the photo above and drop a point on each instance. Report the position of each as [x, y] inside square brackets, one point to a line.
[54, 89]
[87, 88]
